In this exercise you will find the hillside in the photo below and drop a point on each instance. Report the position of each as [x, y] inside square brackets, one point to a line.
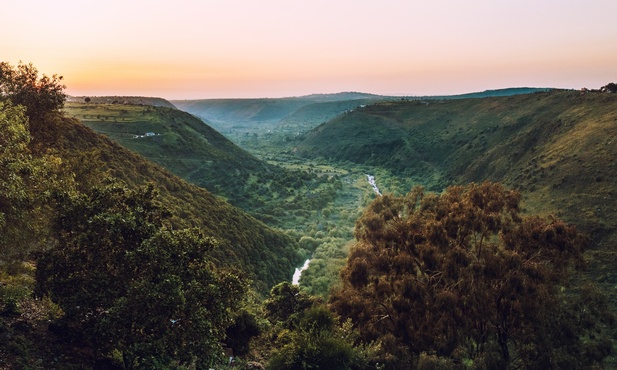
[556, 147]
[126, 100]
[175, 139]
[266, 255]
[229, 114]
[191, 149]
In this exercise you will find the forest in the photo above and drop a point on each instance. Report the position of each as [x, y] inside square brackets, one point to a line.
[115, 255]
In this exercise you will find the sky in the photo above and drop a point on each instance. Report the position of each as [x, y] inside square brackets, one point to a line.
[192, 49]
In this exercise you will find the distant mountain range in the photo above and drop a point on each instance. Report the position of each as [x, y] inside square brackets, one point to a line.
[303, 112]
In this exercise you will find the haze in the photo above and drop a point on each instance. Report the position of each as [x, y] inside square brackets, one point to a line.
[238, 48]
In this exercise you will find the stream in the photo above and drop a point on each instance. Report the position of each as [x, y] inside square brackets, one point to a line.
[296, 278]
[371, 180]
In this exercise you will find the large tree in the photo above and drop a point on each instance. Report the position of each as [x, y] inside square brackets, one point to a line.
[26, 183]
[22, 85]
[127, 283]
[463, 276]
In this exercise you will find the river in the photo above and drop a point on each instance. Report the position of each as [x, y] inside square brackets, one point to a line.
[296, 278]
[371, 180]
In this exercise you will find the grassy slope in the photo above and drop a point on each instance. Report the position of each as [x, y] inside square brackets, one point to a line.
[557, 147]
[182, 143]
[187, 147]
[265, 254]
[134, 100]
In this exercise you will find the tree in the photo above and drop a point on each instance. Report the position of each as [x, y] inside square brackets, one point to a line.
[129, 284]
[25, 185]
[317, 343]
[23, 86]
[611, 87]
[286, 303]
[464, 277]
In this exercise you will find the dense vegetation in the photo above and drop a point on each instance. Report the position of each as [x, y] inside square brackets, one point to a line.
[463, 278]
[110, 261]
[127, 283]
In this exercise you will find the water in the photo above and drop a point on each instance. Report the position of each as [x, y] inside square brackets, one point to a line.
[296, 278]
[371, 180]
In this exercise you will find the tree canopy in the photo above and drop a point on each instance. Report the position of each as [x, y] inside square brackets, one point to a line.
[22, 85]
[463, 276]
[26, 183]
[127, 283]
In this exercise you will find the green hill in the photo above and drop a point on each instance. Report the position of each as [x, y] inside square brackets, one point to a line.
[266, 255]
[191, 149]
[126, 100]
[557, 147]
[229, 114]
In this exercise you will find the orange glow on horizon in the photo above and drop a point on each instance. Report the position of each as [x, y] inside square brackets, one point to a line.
[239, 48]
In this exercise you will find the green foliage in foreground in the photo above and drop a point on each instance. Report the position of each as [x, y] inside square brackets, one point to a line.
[463, 276]
[25, 185]
[128, 284]
[304, 334]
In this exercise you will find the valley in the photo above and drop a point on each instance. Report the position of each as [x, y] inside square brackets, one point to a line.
[347, 226]
[330, 145]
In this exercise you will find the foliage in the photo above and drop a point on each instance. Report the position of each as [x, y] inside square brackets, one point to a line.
[265, 254]
[23, 86]
[128, 283]
[25, 185]
[463, 275]
[238, 335]
[611, 87]
[317, 344]
[304, 333]
[285, 303]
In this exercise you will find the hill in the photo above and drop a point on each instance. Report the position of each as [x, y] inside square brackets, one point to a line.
[191, 149]
[264, 254]
[556, 147]
[493, 93]
[229, 114]
[126, 100]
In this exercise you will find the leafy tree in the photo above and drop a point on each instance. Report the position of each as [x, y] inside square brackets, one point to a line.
[286, 302]
[25, 185]
[611, 87]
[239, 334]
[463, 275]
[23, 86]
[317, 343]
[127, 283]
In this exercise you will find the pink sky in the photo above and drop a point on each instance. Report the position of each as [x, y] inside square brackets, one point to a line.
[270, 48]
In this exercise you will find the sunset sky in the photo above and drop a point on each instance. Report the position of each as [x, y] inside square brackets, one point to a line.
[185, 49]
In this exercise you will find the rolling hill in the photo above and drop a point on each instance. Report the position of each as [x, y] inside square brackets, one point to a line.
[126, 100]
[266, 255]
[557, 147]
[191, 149]
[232, 114]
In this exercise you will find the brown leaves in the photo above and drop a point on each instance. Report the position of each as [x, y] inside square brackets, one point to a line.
[457, 270]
